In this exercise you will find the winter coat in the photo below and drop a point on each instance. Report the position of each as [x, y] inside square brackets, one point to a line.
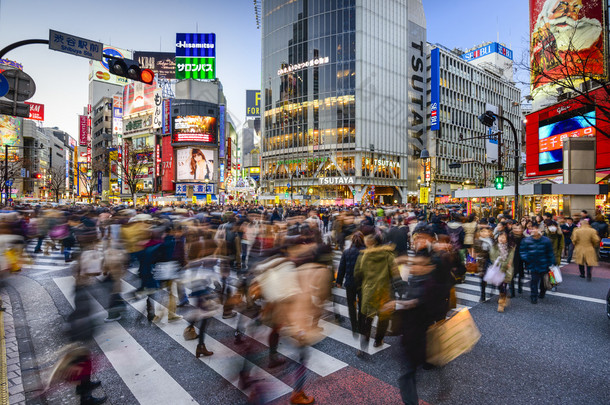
[469, 230]
[601, 227]
[537, 254]
[585, 241]
[506, 266]
[399, 236]
[558, 242]
[456, 233]
[375, 271]
[347, 265]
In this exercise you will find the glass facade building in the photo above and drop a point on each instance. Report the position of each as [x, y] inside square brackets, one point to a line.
[336, 77]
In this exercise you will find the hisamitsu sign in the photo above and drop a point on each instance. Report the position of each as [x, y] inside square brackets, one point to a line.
[62, 42]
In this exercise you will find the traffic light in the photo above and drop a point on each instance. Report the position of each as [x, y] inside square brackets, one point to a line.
[499, 182]
[487, 119]
[130, 69]
[37, 176]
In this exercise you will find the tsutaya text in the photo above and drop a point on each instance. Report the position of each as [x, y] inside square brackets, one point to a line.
[383, 163]
[335, 180]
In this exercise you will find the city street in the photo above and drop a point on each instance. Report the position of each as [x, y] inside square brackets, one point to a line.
[555, 352]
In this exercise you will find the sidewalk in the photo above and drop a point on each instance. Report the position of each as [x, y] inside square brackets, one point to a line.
[11, 386]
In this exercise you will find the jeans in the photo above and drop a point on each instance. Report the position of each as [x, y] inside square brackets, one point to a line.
[367, 324]
[537, 279]
[408, 388]
[67, 251]
[570, 250]
[39, 244]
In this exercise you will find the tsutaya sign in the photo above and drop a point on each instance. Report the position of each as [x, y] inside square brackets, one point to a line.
[335, 180]
[383, 163]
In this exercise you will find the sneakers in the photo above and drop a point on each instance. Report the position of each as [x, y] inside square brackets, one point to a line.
[113, 318]
[300, 398]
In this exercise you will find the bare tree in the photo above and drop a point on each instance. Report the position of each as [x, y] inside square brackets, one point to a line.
[56, 181]
[565, 64]
[86, 178]
[11, 169]
[133, 167]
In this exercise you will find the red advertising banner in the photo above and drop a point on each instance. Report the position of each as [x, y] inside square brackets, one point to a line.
[36, 111]
[167, 116]
[82, 130]
[167, 181]
[567, 41]
[157, 160]
[229, 154]
[204, 138]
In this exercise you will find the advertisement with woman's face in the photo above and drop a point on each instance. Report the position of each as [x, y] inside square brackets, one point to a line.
[194, 164]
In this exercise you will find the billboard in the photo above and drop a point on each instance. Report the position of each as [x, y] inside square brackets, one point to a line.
[167, 164]
[98, 70]
[491, 141]
[546, 130]
[435, 89]
[167, 116]
[138, 97]
[194, 164]
[567, 42]
[221, 132]
[82, 130]
[162, 63]
[488, 49]
[253, 102]
[196, 56]
[195, 128]
[36, 111]
[10, 130]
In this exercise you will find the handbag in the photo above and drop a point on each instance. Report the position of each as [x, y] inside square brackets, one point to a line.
[471, 264]
[91, 263]
[547, 281]
[163, 271]
[557, 273]
[494, 273]
[446, 340]
[190, 333]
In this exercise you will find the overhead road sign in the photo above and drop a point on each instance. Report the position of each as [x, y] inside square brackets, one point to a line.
[67, 43]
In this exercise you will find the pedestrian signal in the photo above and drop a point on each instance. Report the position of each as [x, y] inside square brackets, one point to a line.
[499, 182]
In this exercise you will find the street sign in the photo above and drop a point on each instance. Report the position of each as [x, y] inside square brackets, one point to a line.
[288, 185]
[67, 43]
[9, 183]
[3, 85]
[20, 85]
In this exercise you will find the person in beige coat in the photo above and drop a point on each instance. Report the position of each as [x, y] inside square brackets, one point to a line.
[585, 241]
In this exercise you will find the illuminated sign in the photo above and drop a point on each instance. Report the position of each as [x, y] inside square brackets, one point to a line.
[36, 111]
[82, 130]
[382, 163]
[194, 128]
[253, 101]
[435, 89]
[488, 49]
[196, 56]
[335, 180]
[298, 66]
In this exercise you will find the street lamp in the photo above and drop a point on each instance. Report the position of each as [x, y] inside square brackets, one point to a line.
[488, 119]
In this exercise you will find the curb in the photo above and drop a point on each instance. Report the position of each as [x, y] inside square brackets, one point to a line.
[11, 384]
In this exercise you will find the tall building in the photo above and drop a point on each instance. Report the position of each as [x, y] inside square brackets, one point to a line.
[343, 114]
[101, 139]
[460, 90]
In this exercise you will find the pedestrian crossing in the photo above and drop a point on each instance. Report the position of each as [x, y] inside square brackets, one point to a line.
[150, 383]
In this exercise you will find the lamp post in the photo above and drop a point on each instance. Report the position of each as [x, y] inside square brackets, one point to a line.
[488, 119]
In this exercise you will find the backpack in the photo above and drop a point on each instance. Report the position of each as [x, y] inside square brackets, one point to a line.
[456, 235]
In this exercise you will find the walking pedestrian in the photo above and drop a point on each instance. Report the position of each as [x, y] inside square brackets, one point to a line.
[537, 253]
[346, 272]
[504, 251]
[586, 240]
[567, 229]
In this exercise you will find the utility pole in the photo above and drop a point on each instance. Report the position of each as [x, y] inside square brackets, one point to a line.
[6, 197]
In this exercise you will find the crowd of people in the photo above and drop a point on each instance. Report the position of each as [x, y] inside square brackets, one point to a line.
[274, 267]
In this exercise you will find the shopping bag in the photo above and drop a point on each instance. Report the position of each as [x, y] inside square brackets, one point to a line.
[471, 264]
[557, 273]
[547, 281]
[446, 340]
[163, 271]
[494, 275]
[552, 278]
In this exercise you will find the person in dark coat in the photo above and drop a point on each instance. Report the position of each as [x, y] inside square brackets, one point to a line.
[346, 272]
[398, 235]
[516, 236]
[537, 253]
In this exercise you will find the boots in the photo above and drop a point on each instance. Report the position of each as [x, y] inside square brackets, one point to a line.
[502, 302]
[299, 397]
[201, 350]
[483, 286]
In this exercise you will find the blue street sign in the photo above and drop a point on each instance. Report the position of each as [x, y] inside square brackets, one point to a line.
[288, 185]
[3, 85]
[9, 183]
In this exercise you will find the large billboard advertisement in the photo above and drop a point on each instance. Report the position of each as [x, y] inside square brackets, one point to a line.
[162, 63]
[253, 103]
[435, 89]
[36, 111]
[195, 128]
[194, 164]
[221, 132]
[567, 41]
[196, 56]
[10, 130]
[138, 97]
[548, 128]
[82, 130]
[99, 70]
[167, 164]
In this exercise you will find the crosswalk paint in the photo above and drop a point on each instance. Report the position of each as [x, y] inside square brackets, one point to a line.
[224, 361]
[145, 378]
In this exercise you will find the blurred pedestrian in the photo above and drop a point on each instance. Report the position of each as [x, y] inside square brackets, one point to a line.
[586, 240]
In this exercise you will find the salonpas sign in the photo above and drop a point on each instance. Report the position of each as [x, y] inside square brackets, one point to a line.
[335, 180]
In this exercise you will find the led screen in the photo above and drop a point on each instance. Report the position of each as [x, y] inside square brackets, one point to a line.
[552, 133]
[195, 128]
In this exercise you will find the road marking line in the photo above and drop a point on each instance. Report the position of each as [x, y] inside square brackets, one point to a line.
[145, 378]
[225, 362]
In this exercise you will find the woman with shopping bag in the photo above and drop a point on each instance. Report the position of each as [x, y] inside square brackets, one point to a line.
[502, 255]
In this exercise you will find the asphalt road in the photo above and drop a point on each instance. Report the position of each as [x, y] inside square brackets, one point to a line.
[555, 352]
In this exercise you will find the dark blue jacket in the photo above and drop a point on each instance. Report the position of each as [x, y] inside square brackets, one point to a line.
[537, 254]
[347, 265]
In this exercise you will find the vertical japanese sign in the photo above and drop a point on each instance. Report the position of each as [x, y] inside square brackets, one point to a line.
[221, 132]
[229, 154]
[82, 130]
[167, 116]
[158, 115]
[157, 159]
[117, 114]
[167, 182]
[435, 91]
